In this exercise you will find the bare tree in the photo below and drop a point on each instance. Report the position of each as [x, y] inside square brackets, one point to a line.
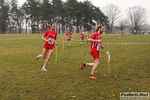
[113, 13]
[122, 24]
[137, 17]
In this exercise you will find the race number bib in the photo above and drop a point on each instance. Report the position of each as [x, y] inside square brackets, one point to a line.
[50, 41]
[98, 47]
[81, 35]
[69, 37]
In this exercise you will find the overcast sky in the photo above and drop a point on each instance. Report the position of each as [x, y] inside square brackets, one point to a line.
[122, 4]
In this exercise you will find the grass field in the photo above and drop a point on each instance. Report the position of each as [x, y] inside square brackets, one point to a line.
[21, 77]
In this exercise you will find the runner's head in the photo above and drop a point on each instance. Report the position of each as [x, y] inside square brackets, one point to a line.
[100, 29]
[52, 26]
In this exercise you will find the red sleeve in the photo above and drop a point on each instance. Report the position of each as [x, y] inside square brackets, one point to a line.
[45, 33]
[93, 35]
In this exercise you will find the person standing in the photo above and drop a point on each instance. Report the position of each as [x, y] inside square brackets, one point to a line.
[49, 37]
[95, 44]
[69, 35]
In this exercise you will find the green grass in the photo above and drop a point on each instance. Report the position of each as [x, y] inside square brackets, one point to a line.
[21, 77]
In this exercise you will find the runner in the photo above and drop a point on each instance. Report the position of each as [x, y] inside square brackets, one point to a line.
[95, 44]
[81, 37]
[86, 35]
[49, 37]
[69, 35]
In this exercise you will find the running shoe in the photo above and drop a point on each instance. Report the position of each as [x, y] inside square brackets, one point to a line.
[69, 45]
[83, 65]
[44, 69]
[37, 57]
[93, 77]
